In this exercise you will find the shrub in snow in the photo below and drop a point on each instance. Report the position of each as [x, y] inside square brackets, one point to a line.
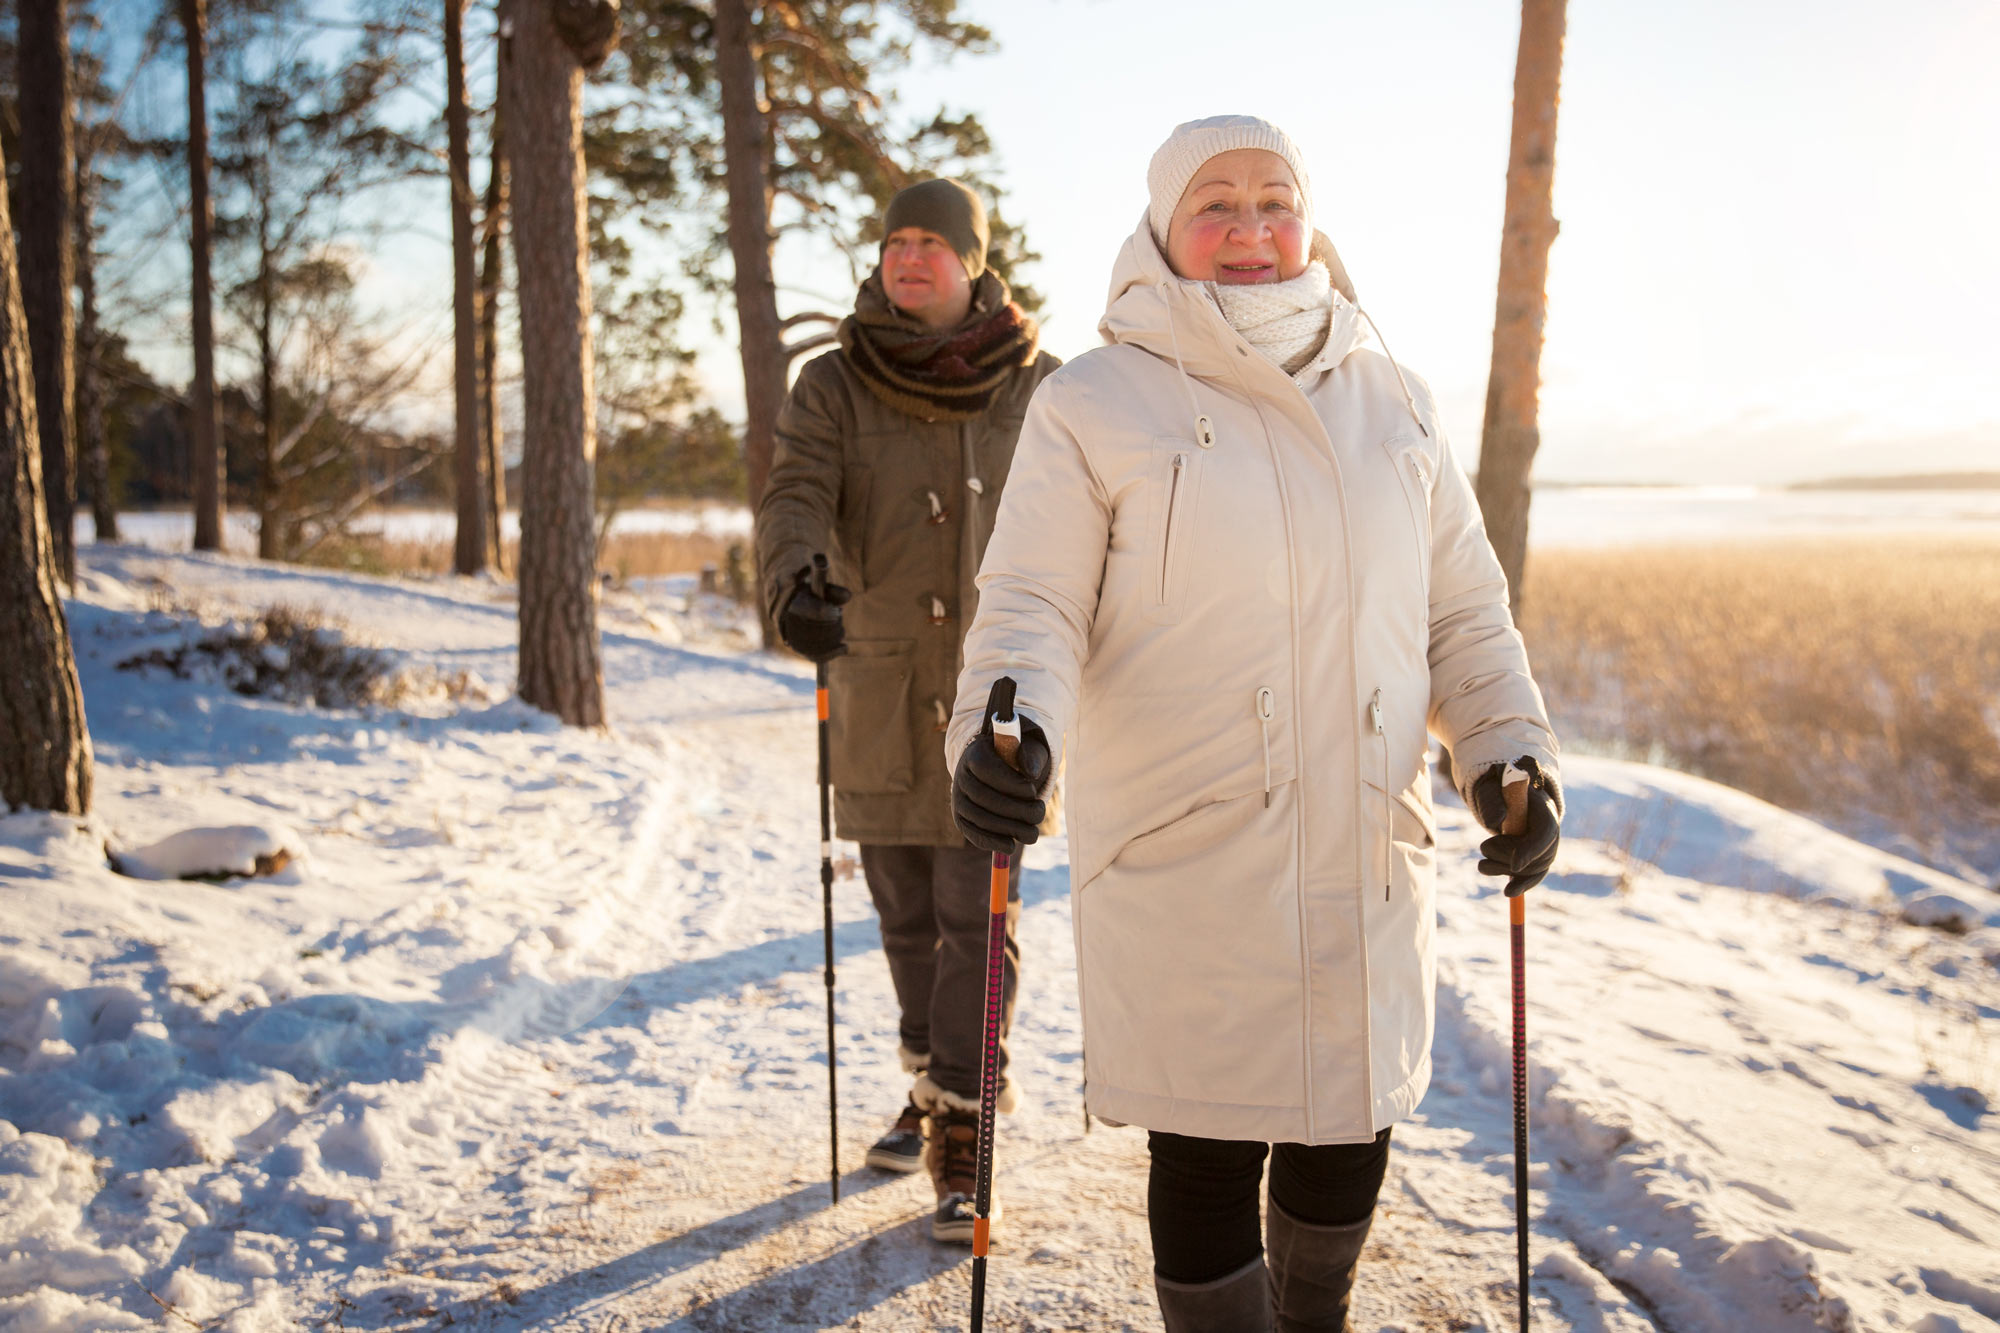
[283, 654]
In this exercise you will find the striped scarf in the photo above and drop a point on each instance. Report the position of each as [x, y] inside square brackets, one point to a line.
[938, 376]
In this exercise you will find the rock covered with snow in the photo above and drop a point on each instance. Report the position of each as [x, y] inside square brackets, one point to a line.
[203, 853]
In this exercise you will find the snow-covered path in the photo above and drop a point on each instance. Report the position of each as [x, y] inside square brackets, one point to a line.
[534, 1037]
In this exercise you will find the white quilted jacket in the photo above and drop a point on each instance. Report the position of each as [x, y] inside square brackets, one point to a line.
[1237, 605]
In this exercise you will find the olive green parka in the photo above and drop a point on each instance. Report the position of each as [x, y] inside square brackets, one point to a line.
[903, 508]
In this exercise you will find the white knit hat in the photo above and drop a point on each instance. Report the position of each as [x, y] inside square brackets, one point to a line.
[1176, 161]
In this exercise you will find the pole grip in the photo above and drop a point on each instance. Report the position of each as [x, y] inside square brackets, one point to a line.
[1006, 723]
[1514, 783]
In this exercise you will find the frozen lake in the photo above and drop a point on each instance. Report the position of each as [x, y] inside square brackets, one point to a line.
[1578, 516]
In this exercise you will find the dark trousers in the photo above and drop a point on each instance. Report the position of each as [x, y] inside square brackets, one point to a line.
[1201, 1199]
[934, 904]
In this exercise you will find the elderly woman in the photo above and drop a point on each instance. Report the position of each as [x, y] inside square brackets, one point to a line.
[1238, 575]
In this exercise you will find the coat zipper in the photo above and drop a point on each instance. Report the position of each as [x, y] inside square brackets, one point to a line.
[1388, 825]
[1266, 710]
[1167, 538]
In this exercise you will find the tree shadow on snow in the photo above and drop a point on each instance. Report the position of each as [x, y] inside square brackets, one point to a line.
[715, 975]
[605, 1285]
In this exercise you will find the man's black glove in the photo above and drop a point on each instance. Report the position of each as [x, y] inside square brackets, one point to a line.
[1524, 858]
[809, 623]
[997, 806]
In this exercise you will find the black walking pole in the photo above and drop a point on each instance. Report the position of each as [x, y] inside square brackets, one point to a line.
[1007, 741]
[826, 904]
[1514, 787]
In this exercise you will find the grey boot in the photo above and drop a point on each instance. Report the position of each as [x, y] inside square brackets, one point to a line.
[1237, 1303]
[1312, 1270]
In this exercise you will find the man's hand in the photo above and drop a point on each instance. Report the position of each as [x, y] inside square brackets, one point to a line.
[1525, 858]
[810, 621]
[997, 806]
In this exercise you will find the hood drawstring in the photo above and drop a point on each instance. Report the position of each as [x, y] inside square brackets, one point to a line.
[1204, 429]
[1408, 401]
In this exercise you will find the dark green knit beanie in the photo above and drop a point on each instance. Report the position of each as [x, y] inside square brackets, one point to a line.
[948, 208]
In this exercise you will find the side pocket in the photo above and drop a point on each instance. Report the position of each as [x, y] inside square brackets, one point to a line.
[869, 742]
[1192, 833]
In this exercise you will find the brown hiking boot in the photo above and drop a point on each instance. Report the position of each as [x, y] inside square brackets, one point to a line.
[953, 1158]
[902, 1148]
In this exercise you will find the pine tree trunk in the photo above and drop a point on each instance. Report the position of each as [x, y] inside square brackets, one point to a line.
[745, 150]
[494, 222]
[1512, 435]
[93, 447]
[470, 550]
[47, 230]
[44, 745]
[270, 509]
[205, 447]
[560, 668]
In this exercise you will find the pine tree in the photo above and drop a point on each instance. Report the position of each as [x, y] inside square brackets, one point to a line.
[1513, 388]
[549, 45]
[782, 112]
[45, 760]
[207, 450]
[48, 208]
[472, 546]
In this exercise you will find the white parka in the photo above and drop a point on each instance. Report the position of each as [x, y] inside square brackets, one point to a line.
[1237, 605]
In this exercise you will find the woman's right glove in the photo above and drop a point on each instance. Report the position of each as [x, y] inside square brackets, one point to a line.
[996, 805]
[1525, 858]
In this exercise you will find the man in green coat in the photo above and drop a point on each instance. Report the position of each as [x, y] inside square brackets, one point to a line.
[891, 453]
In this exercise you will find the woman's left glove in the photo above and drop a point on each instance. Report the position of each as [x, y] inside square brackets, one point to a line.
[1525, 858]
[996, 805]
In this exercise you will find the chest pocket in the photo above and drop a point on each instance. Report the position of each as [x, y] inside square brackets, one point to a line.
[1415, 473]
[1174, 499]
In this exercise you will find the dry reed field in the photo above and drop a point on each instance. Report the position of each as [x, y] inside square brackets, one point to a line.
[1858, 682]
[625, 555]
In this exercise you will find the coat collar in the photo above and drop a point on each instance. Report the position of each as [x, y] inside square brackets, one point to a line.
[1150, 307]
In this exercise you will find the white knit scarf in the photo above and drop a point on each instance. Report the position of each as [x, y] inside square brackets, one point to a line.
[1285, 321]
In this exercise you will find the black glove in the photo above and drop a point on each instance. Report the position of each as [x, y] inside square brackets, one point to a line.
[995, 805]
[1524, 858]
[809, 623]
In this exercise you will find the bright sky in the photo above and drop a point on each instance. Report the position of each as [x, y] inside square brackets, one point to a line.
[1777, 260]
[1778, 255]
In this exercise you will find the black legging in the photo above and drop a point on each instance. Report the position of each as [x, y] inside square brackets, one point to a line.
[1201, 1199]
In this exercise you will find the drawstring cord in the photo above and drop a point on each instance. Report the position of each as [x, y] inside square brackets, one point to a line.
[1408, 401]
[1204, 429]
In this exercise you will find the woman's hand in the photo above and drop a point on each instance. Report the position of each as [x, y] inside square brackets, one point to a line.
[1525, 857]
[996, 805]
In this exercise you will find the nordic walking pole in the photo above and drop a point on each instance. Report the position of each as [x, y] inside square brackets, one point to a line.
[826, 904]
[1514, 787]
[1007, 741]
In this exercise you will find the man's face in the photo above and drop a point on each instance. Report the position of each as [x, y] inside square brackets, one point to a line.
[924, 277]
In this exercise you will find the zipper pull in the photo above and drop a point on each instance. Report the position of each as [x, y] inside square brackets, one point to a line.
[1266, 710]
[1375, 711]
[1204, 432]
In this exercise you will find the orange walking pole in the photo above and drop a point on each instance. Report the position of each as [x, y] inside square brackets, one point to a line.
[1007, 741]
[826, 904]
[1514, 786]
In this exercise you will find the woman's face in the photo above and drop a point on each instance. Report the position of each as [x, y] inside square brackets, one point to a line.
[1239, 221]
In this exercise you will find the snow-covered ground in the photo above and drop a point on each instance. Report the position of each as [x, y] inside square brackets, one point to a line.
[527, 1032]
